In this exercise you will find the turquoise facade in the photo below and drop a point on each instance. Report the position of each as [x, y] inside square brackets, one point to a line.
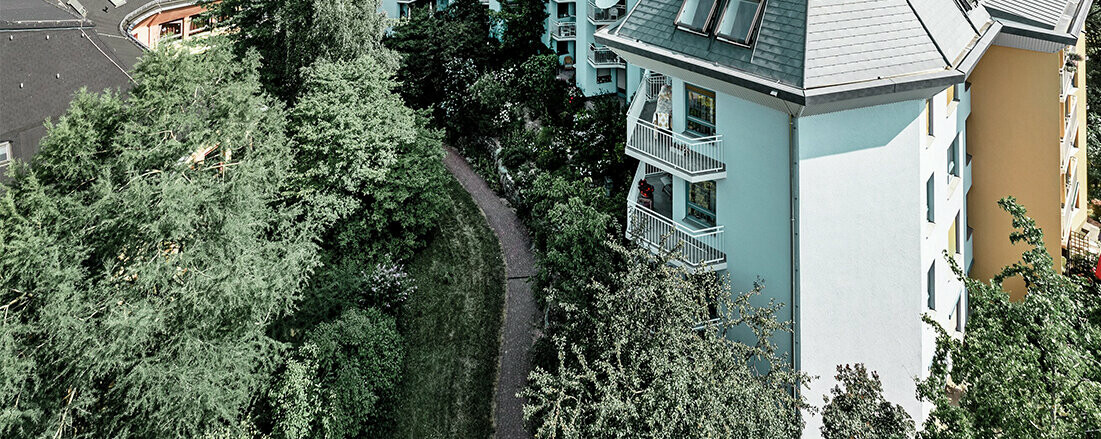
[593, 73]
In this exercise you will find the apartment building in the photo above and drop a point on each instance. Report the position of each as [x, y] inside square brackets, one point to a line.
[1027, 135]
[595, 69]
[826, 147]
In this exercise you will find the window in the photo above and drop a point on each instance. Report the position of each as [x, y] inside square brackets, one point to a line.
[695, 15]
[603, 76]
[953, 93]
[198, 23]
[738, 21]
[403, 10]
[563, 47]
[931, 288]
[954, 236]
[5, 153]
[564, 10]
[930, 201]
[959, 313]
[701, 203]
[172, 29]
[953, 162]
[929, 116]
[700, 109]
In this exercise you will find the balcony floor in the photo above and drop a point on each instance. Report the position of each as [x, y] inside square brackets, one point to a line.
[663, 197]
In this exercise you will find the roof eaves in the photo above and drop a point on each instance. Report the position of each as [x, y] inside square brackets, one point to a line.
[1080, 16]
[1024, 30]
[883, 87]
[722, 73]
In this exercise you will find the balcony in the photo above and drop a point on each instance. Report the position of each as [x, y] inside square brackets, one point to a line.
[603, 57]
[692, 158]
[566, 31]
[652, 228]
[1070, 206]
[598, 16]
[1067, 84]
[1070, 123]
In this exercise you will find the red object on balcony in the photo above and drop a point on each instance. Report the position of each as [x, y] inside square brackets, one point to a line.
[1097, 270]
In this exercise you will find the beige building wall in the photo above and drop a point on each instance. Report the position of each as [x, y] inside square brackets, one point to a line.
[1013, 136]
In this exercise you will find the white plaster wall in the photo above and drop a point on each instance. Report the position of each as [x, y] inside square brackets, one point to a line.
[860, 229]
[866, 245]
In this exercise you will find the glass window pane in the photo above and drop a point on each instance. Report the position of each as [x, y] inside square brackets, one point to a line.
[694, 14]
[700, 109]
[737, 21]
[701, 202]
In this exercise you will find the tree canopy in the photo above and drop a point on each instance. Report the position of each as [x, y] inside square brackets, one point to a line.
[856, 409]
[291, 35]
[1028, 369]
[657, 363]
[144, 253]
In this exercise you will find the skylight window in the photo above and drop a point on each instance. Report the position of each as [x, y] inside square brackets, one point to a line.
[695, 15]
[739, 20]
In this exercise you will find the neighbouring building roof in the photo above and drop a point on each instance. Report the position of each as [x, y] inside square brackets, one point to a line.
[47, 53]
[1054, 20]
[812, 46]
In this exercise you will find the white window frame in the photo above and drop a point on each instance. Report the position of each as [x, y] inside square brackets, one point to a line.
[5, 147]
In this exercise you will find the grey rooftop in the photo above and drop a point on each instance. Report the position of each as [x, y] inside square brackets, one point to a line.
[811, 49]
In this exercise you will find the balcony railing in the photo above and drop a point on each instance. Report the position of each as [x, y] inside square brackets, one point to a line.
[652, 83]
[695, 248]
[1066, 74]
[1070, 200]
[1070, 121]
[692, 158]
[604, 57]
[604, 16]
[564, 31]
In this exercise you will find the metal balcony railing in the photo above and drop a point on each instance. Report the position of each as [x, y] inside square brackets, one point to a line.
[564, 31]
[605, 16]
[689, 157]
[652, 83]
[604, 57]
[1070, 121]
[1066, 74]
[695, 248]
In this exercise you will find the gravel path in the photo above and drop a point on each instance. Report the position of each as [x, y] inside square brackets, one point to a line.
[517, 334]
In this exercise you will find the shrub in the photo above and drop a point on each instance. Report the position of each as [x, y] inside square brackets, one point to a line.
[341, 382]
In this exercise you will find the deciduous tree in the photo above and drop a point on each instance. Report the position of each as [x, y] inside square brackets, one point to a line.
[657, 363]
[858, 410]
[1028, 369]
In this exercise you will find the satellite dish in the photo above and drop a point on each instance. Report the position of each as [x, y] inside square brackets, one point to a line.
[605, 4]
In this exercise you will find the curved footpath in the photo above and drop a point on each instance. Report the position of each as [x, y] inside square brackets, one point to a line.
[518, 330]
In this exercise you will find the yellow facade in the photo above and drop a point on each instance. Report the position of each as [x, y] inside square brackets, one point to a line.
[1015, 136]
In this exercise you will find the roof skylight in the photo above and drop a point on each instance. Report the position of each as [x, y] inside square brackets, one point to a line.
[695, 15]
[738, 21]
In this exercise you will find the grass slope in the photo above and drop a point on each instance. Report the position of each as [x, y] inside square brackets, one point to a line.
[451, 325]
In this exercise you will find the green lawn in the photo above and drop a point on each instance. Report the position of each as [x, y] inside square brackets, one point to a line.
[451, 325]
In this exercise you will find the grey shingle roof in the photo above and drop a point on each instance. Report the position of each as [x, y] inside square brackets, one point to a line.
[858, 41]
[38, 76]
[777, 55]
[820, 43]
[1042, 13]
